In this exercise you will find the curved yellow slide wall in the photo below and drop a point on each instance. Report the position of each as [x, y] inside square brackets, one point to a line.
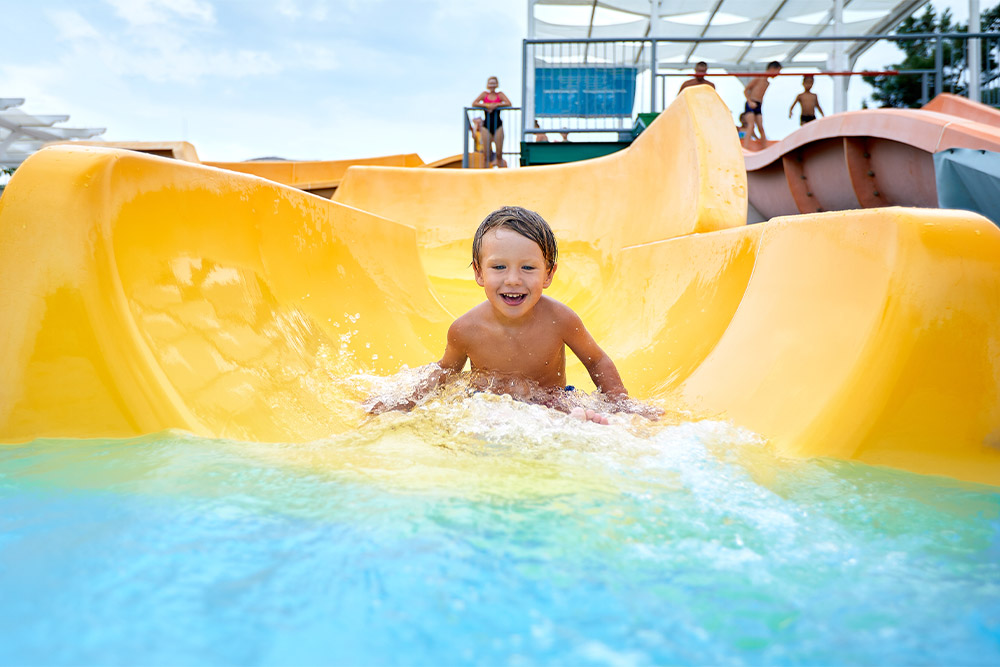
[313, 174]
[139, 293]
[683, 175]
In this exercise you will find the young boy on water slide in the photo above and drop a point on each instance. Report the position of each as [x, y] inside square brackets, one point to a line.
[516, 340]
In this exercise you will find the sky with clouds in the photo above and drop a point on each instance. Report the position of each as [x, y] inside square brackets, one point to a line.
[301, 79]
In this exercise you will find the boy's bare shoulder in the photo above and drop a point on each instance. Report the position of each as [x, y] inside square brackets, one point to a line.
[561, 314]
[471, 322]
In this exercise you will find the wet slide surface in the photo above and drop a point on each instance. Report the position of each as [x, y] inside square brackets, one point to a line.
[316, 176]
[143, 294]
[319, 177]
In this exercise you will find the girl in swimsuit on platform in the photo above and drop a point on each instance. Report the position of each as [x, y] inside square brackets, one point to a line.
[492, 101]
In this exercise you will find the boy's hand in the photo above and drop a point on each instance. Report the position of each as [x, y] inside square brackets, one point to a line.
[634, 407]
[377, 406]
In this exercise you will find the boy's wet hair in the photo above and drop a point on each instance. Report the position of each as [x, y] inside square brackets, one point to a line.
[808, 77]
[526, 223]
[774, 63]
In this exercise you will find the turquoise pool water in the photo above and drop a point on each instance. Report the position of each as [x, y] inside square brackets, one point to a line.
[483, 531]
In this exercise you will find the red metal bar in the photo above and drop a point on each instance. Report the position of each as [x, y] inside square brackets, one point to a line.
[888, 72]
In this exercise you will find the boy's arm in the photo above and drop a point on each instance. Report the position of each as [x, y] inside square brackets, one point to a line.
[455, 354]
[792, 108]
[818, 107]
[452, 362]
[602, 370]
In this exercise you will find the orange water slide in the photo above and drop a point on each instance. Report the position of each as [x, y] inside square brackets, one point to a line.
[865, 159]
[318, 177]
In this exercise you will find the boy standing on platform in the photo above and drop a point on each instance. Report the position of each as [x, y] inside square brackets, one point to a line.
[754, 92]
[808, 102]
[699, 77]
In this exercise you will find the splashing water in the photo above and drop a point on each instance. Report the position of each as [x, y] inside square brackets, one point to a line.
[414, 386]
[477, 529]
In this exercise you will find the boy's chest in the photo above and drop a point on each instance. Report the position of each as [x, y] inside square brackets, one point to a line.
[530, 353]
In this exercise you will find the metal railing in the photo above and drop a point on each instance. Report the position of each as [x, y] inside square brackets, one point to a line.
[563, 79]
[511, 119]
[925, 79]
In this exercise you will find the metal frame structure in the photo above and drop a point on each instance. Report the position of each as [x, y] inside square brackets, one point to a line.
[586, 51]
[736, 20]
[21, 133]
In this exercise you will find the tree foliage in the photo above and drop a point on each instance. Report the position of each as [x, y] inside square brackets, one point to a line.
[919, 54]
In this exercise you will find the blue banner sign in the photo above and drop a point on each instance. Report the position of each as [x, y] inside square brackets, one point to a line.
[586, 92]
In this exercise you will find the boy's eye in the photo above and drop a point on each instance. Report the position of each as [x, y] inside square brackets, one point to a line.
[499, 267]
[528, 267]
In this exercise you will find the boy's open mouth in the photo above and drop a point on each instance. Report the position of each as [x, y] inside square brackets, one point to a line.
[513, 299]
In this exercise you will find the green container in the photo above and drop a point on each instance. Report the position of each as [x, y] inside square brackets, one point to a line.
[642, 122]
[533, 154]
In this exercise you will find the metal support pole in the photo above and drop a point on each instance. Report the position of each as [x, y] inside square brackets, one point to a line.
[839, 83]
[654, 32]
[528, 75]
[652, 76]
[938, 66]
[973, 44]
[527, 90]
[923, 89]
[465, 138]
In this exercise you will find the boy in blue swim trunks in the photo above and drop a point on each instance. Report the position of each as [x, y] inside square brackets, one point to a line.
[754, 92]
[516, 340]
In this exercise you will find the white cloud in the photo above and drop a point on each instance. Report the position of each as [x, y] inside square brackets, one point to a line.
[71, 26]
[161, 52]
[318, 57]
[191, 65]
[38, 84]
[289, 8]
[148, 12]
[316, 11]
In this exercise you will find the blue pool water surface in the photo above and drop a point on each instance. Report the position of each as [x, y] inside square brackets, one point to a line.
[489, 532]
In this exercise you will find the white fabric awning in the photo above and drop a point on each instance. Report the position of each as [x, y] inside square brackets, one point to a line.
[738, 19]
[21, 134]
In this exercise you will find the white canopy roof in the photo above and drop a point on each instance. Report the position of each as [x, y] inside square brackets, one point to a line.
[739, 19]
[22, 134]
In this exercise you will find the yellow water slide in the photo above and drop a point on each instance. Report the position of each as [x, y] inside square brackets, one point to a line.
[320, 177]
[139, 293]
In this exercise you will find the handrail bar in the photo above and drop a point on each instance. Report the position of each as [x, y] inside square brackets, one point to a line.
[769, 38]
[466, 131]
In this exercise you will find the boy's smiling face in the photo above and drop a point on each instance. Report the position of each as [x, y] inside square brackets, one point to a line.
[512, 270]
